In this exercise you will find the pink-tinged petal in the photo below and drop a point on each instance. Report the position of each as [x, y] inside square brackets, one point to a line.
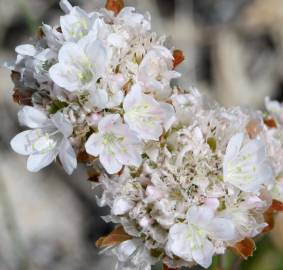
[39, 161]
[67, 157]
[133, 97]
[128, 155]
[94, 145]
[32, 117]
[108, 122]
[200, 216]
[121, 206]
[110, 163]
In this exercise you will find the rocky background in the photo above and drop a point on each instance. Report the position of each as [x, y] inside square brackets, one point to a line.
[234, 52]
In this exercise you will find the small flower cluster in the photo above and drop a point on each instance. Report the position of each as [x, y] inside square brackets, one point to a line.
[184, 177]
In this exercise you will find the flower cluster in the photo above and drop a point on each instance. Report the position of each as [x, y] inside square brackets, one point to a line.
[183, 177]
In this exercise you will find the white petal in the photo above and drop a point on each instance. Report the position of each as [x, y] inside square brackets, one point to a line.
[36, 162]
[99, 98]
[68, 157]
[234, 145]
[109, 121]
[62, 124]
[169, 115]
[203, 255]
[20, 143]
[110, 163]
[200, 216]
[75, 25]
[65, 77]
[97, 54]
[121, 206]
[94, 145]
[222, 229]
[132, 97]
[178, 244]
[32, 117]
[65, 6]
[26, 50]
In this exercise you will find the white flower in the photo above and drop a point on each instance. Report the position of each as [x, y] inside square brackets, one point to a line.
[191, 242]
[77, 23]
[47, 139]
[246, 164]
[115, 144]
[132, 255]
[80, 65]
[108, 93]
[145, 115]
[155, 72]
[136, 21]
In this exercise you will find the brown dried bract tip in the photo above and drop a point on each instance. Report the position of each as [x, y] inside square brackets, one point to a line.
[23, 96]
[253, 128]
[39, 33]
[245, 248]
[269, 220]
[277, 206]
[115, 5]
[270, 122]
[165, 267]
[178, 58]
[117, 236]
[15, 76]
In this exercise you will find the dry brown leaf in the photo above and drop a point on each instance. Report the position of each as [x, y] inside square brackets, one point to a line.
[178, 58]
[115, 5]
[245, 248]
[117, 236]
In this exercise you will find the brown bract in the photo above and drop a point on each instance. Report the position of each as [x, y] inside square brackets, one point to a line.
[115, 5]
[165, 267]
[23, 96]
[178, 58]
[245, 248]
[277, 206]
[117, 236]
[269, 220]
[253, 128]
[270, 122]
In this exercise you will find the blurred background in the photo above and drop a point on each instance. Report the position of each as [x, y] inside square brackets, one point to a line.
[234, 52]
